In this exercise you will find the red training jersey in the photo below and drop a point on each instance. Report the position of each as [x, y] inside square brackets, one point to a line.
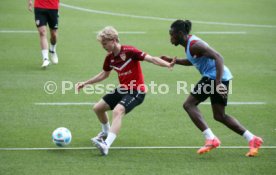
[47, 4]
[128, 67]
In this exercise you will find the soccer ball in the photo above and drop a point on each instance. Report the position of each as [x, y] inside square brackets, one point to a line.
[61, 136]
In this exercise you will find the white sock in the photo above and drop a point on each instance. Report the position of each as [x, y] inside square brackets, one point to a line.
[248, 135]
[110, 138]
[105, 127]
[53, 47]
[45, 54]
[208, 134]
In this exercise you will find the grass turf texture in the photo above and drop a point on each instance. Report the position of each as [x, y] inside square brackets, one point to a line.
[160, 120]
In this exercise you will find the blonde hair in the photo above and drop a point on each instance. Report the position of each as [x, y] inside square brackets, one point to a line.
[108, 33]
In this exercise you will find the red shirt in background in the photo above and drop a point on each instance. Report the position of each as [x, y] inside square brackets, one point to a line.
[46, 4]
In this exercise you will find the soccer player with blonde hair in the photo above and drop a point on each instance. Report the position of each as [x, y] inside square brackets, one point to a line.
[125, 60]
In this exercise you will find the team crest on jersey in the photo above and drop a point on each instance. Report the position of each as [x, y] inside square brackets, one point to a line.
[37, 22]
[123, 56]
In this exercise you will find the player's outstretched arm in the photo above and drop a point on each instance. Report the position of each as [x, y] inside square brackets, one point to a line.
[158, 61]
[184, 62]
[97, 78]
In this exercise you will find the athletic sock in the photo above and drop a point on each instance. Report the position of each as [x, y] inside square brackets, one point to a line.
[208, 134]
[44, 54]
[248, 135]
[105, 127]
[110, 138]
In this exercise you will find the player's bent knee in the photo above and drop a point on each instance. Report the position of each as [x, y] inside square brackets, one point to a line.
[219, 118]
[187, 106]
[42, 32]
[118, 111]
[98, 108]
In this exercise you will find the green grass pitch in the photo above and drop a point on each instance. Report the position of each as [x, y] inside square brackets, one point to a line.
[160, 120]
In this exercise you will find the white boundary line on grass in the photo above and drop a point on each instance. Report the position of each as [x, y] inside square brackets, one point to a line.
[239, 103]
[65, 104]
[161, 19]
[128, 32]
[222, 33]
[92, 103]
[18, 31]
[34, 31]
[135, 32]
[124, 148]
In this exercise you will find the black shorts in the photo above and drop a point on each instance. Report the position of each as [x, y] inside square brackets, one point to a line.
[128, 98]
[206, 87]
[46, 16]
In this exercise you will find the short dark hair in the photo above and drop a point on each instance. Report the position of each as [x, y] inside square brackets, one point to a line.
[181, 25]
